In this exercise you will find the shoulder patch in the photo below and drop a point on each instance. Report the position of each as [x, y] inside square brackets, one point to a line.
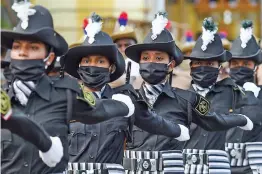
[202, 105]
[90, 98]
[5, 103]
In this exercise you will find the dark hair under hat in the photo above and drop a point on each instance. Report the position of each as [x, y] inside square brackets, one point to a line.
[211, 51]
[40, 28]
[250, 49]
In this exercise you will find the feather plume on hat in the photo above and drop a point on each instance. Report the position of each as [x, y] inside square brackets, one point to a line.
[246, 32]
[94, 26]
[209, 30]
[159, 24]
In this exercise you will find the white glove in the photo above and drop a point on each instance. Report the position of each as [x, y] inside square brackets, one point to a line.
[54, 154]
[184, 135]
[248, 126]
[127, 100]
[249, 86]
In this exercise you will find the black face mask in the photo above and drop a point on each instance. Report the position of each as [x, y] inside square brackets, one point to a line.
[204, 76]
[153, 73]
[94, 77]
[27, 70]
[242, 75]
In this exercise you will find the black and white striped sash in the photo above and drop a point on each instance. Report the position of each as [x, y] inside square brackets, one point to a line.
[206, 161]
[153, 162]
[237, 154]
[254, 155]
[94, 168]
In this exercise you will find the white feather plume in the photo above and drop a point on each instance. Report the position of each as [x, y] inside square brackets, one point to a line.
[207, 37]
[158, 25]
[23, 11]
[92, 29]
[245, 36]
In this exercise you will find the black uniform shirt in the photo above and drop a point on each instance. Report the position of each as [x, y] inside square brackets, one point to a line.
[180, 107]
[224, 96]
[48, 106]
[237, 135]
[104, 142]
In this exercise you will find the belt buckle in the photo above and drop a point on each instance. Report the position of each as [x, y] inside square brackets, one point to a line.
[237, 153]
[146, 164]
[195, 158]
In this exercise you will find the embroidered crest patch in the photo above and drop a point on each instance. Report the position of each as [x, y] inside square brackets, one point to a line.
[90, 98]
[202, 106]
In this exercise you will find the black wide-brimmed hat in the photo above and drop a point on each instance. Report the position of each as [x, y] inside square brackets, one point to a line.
[36, 24]
[246, 46]
[209, 45]
[159, 39]
[95, 43]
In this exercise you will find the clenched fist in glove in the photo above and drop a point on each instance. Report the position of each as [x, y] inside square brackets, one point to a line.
[54, 154]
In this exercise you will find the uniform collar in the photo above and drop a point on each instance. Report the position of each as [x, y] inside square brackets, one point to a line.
[43, 87]
[107, 92]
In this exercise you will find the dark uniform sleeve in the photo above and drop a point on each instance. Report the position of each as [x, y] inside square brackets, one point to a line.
[149, 120]
[213, 121]
[89, 110]
[23, 126]
[28, 130]
[156, 124]
[84, 107]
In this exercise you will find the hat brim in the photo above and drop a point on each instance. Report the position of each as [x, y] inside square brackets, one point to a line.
[123, 35]
[134, 51]
[75, 54]
[257, 57]
[46, 35]
[223, 57]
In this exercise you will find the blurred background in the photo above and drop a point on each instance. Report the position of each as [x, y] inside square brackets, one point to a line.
[184, 15]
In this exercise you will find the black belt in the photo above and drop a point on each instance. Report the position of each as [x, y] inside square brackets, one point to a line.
[143, 164]
[195, 158]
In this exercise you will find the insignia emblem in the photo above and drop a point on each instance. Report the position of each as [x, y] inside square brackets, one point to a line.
[5, 103]
[203, 106]
[194, 159]
[90, 98]
[6, 110]
[233, 153]
[145, 165]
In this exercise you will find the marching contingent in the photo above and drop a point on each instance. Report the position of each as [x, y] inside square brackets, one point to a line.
[74, 109]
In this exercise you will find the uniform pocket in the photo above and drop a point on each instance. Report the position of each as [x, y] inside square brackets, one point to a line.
[116, 130]
[137, 137]
[79, 138]
[7, 148]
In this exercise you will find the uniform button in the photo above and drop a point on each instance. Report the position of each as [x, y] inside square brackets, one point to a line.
[25, 164]
[91, 156]
[204, 135]
[149, 149]
[94, 135]
[237, 139]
